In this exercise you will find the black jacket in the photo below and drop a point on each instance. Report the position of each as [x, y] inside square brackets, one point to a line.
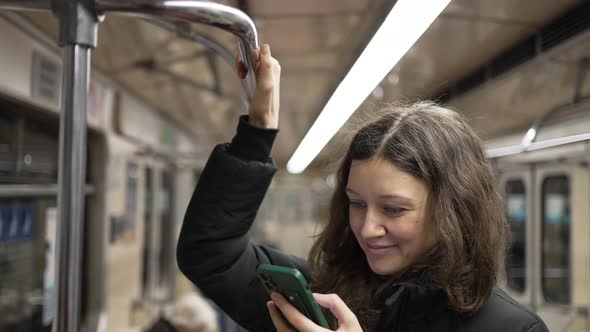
[216, 254]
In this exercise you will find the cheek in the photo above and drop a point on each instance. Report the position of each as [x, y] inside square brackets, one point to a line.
[413, 233]
[406, 232]
[355, 221]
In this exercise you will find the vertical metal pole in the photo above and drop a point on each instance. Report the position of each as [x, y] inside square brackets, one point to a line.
[78, 30]
[72, 174]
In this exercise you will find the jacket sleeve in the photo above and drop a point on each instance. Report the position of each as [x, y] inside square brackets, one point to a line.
[214, 250]
[538, 326]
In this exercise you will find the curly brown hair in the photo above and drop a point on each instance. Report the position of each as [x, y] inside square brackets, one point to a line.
[435, 145]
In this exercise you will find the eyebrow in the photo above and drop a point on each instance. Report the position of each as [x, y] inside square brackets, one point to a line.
[391, 196]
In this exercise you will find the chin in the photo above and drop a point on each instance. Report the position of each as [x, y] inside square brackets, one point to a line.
[384, 269]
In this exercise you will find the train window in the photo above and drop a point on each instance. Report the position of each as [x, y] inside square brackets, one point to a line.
[39, 151]
[8, 146]
[28, 150]
[515, 203]
[27, 244]
[556, 239]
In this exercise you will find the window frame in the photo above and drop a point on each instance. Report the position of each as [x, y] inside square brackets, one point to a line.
[543, 225]
[526, 175]
[527, 226]
[542, 172]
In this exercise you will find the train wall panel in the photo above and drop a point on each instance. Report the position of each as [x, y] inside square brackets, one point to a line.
[136, 120]
[580, 235]
[142, 123]
[16, 63]
[21, 57]
[573, 125]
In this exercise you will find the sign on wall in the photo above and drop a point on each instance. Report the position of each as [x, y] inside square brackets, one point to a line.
[16, 224]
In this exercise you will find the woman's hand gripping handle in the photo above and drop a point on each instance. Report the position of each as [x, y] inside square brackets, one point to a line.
[264, 106]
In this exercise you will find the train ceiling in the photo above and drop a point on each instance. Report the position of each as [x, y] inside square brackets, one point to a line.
[316, 42]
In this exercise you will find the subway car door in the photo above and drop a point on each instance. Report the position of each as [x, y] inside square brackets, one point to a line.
[562, 253]
[517, 187]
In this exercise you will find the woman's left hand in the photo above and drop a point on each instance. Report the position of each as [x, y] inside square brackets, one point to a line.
[287, 318]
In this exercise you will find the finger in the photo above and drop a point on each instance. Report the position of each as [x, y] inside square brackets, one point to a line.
[265, 51]
[277, 318]
[337, 307]
[292, 315]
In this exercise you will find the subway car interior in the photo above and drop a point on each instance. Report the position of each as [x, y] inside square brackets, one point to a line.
[109, 110]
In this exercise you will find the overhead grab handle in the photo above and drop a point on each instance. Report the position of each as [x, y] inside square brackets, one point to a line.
[224, 17]
[187, 33]
[25, 5]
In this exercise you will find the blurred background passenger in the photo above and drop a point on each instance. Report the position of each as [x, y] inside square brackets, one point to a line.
[191, 314]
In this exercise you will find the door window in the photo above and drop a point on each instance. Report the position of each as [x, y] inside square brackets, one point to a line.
[515, 205]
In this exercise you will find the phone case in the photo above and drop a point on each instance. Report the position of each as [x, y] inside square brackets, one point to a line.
[292, 285]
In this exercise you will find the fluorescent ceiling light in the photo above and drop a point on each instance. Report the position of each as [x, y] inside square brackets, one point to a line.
[406, 22]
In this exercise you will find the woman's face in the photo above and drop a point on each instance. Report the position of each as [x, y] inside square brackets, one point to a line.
[388, 215]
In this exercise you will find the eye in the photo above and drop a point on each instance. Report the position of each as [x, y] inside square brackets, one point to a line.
[393, 211]
[357, 204]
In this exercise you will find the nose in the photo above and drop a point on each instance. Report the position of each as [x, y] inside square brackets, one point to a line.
[372, 225]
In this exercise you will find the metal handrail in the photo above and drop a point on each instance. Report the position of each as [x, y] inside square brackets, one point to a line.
[224, 17]
[205, 40]
[528, 143]
[26, 5]
[538, 145]
[29, 190]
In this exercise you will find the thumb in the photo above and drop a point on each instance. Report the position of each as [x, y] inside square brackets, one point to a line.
[338, 308]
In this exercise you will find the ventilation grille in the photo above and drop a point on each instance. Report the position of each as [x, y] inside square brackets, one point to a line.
[45, 78]
[568, 25]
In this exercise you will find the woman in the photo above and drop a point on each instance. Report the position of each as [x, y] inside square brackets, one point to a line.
[414, 241]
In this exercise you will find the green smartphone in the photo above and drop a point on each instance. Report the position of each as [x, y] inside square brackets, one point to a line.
[291, 284]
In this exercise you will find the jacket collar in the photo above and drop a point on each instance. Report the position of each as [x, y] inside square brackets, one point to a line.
[407, 302]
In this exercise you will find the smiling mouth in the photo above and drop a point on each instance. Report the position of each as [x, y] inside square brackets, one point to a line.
[379, 249]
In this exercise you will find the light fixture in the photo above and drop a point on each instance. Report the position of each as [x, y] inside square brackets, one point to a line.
[406, 22]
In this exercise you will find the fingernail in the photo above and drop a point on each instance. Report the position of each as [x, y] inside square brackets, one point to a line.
[273, 296]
